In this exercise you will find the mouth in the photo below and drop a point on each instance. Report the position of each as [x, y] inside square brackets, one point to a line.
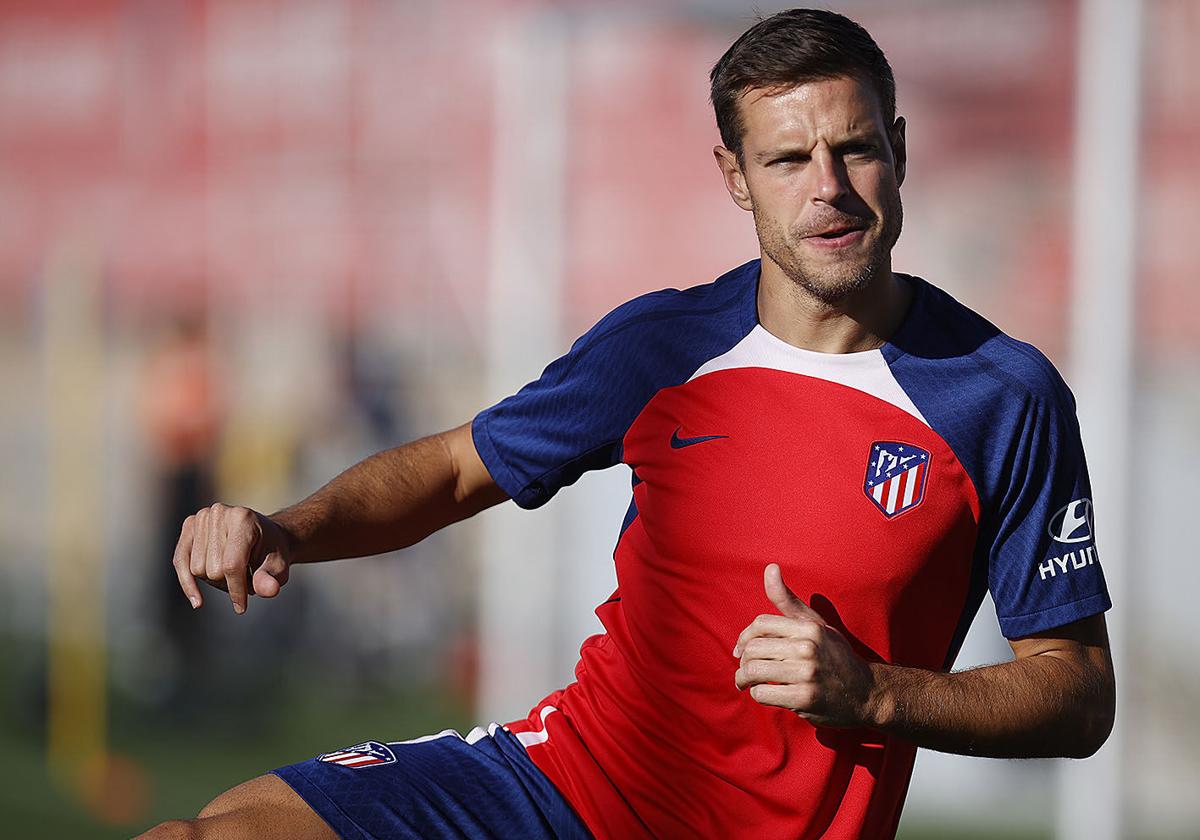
[836, 237]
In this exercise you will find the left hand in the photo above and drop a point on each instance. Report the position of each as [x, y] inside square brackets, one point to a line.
[797, 661]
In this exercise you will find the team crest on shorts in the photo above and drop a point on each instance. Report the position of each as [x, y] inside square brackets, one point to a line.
[896, 476]
[367, 754]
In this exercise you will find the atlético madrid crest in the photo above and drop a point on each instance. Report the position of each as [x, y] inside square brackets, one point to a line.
[896, 476]
[367, 754]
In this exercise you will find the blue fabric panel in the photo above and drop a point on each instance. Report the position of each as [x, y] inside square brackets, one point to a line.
[1010, 420]
[439, 788]
[575, 415]
[630, 515]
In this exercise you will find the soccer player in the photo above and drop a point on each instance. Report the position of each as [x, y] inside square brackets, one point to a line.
[831, 462]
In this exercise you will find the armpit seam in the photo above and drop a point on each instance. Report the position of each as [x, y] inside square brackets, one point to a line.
[511, 474]
[565, 464]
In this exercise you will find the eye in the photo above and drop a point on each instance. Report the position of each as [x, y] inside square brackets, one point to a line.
[789, 159]
[862, 150]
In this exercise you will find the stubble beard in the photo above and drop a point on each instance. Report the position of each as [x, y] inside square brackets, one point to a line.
[837, 279]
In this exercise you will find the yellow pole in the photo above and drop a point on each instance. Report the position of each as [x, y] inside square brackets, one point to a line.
[76, 579]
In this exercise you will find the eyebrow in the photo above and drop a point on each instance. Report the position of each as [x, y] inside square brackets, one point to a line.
[869, 136]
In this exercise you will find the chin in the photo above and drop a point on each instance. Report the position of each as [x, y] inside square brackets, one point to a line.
[832, 280]
[832, 285]
[836, 292]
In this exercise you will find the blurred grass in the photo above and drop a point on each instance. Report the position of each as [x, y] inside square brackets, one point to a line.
[186, 763]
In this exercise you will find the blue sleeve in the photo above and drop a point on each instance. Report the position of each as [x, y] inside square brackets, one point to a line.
[573, 418]
[1043, 569]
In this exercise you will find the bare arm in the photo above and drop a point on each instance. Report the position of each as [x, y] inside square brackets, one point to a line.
[392, 499]
[1057, 698]
[388, 501]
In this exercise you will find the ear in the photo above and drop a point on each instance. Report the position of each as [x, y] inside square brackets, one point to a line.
[899, 150]
[735, 180]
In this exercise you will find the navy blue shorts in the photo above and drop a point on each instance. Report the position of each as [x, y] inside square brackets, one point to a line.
[439, 786]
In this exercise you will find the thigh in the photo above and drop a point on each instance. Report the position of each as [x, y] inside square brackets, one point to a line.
[440, 787]
[264, 808]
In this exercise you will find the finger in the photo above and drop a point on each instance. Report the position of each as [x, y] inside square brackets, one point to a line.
[235, 583]
[216, 544]
[797, 698]
[270, 576]
[182, 563]
[764, 671]
[785, 600]
[768, 647]
[219, 583]
[235, 564]
[199, 543]
[780, 626]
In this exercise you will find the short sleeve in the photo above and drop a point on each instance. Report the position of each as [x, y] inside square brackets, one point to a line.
[1043, 567]
[573, 417]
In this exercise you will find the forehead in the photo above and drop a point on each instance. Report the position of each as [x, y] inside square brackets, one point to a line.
[825, 109]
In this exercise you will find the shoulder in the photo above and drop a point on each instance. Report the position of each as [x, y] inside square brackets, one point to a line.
[717, 306]
[978, 358]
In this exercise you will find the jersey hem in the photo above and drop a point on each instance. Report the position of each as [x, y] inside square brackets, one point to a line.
[1051, 617]
[501, 473]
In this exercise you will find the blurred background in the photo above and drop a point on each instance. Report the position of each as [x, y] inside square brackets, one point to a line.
[244, 243]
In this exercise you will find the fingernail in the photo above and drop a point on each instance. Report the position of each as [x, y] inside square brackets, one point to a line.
[195, 602]
[736, 651]
[239, 609]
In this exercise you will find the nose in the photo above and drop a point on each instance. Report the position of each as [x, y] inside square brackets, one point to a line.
[832, 182]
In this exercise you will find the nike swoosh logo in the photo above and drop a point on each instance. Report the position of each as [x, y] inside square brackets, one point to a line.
[679, 443]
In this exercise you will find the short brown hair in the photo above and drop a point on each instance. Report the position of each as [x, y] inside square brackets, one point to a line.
[789, 49]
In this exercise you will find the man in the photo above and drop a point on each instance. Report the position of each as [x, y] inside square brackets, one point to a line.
[831, 464]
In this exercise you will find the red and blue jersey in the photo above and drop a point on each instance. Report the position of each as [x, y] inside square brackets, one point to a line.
[894, 487]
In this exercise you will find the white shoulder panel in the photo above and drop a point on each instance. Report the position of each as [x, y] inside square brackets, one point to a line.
[866, 371]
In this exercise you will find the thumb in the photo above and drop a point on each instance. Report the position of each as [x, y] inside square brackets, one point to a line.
[270, 576]
[784, 599]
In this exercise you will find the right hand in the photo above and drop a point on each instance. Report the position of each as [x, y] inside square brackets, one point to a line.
[235, 549]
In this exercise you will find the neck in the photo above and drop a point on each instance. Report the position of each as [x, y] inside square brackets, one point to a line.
[860, 321]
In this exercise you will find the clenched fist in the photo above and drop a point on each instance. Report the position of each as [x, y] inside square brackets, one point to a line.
[797, 661]
[235, 549]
